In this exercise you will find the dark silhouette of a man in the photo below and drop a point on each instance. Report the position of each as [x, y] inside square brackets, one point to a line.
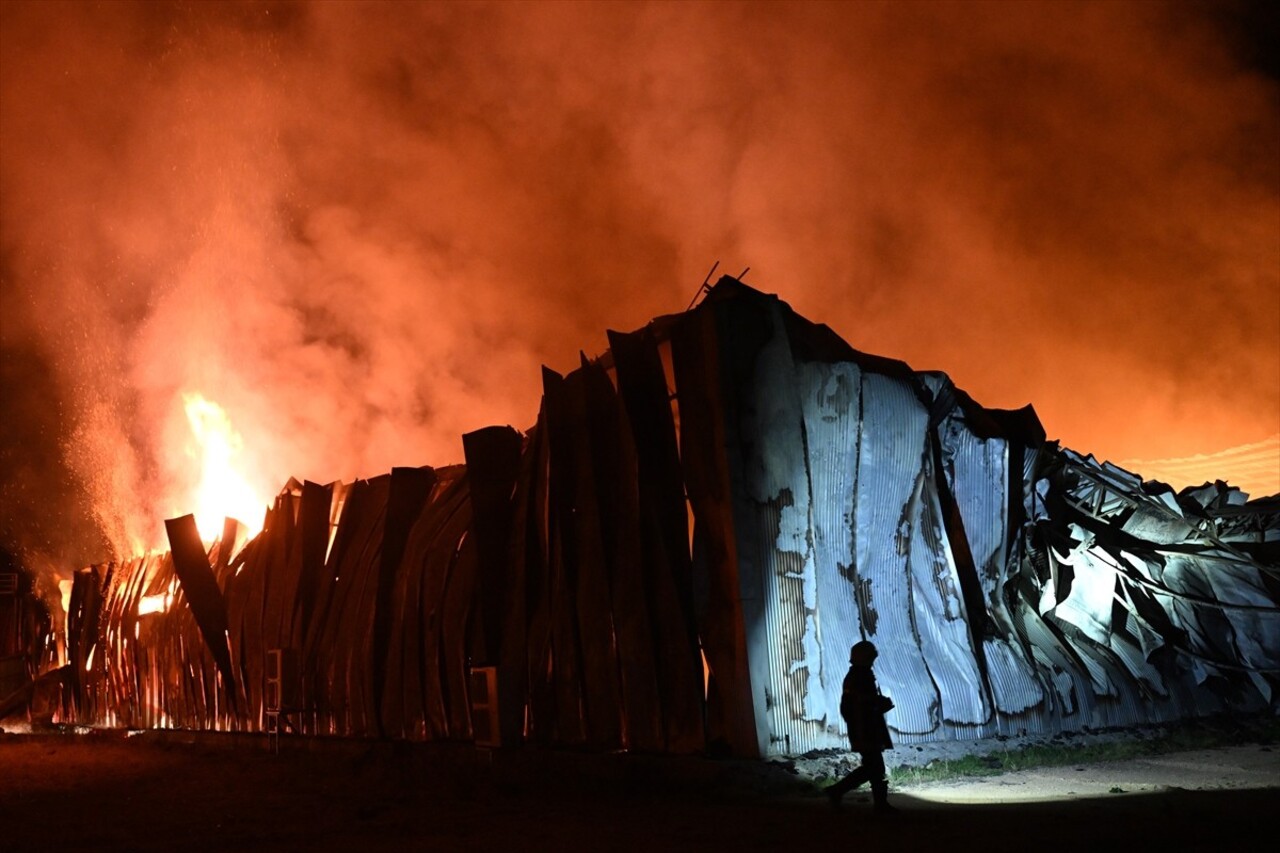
[863, 709]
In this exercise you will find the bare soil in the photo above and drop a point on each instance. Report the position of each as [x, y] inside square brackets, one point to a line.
[178, 791]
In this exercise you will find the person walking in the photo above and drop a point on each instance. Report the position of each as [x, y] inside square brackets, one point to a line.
[863, 708]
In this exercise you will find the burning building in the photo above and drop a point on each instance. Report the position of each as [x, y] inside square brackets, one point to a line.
[677, 558]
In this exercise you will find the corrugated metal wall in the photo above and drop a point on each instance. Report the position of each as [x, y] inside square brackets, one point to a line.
[872, 502]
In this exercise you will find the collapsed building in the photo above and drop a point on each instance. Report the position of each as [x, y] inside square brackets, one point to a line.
[678, 556]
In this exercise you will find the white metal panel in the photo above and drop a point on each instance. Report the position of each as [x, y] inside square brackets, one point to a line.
[889, 465]
[772, 512]
[830, 397]
[942, 625]
[1011, 676]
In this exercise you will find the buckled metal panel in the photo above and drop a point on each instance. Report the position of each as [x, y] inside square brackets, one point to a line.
[776, 566]
[940, 617]
[889, 472]
[831, 403]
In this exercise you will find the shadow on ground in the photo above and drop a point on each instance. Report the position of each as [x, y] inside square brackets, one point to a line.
[174, 791]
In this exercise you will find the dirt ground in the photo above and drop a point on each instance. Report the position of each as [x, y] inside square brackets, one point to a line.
[176, 791]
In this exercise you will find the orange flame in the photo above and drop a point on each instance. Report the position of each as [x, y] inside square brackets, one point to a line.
[158, 603]
[64, 588]
[223, 491]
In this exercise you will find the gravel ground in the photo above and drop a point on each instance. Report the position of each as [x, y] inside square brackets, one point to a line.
[164, 791]
[822, 764]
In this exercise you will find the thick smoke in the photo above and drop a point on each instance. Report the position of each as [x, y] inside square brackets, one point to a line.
[360, 227]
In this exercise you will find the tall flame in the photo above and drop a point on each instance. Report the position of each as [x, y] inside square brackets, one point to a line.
[223, 491]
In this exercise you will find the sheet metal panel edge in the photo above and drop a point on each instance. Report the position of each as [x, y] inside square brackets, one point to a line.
[776, 571]
[890, 462]
[941, 620]
[830, 399]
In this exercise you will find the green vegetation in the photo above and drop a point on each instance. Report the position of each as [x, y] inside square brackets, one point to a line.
[1190, 735]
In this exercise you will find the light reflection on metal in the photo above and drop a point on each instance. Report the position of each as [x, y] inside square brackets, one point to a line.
[1104, 602]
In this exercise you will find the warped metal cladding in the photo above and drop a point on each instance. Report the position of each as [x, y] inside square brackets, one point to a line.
[877, 549]
[941, 618]
[831, 405]
[772, 511]
[1197, 611]
[978, 471]
[812, 585]
[889, 471]
[883, 557]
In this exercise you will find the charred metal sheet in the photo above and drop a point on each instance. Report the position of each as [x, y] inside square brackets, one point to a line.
[231, 541]
[118, 664]
[355, 593]
[453, 518]
[944, 400]
[665, 566]
[764, 448]
[237, 585]
[493, 465]
[280, 570]
[731, 722]
[1012, 678]
[1204, 601]
[420, 686]
[565, 662]
[82, 633]
[336, 632]
[1237, 616]
[513, 649]
[586, 560]
[407, 494]
[213, 699]
[203, 596]
[96, 666]
[949, 606]
[251, 661]
[643, 386]
[119, 669]
[538, 574]
[401, 698]
[454, 640]
[313, 529]
[617, 490]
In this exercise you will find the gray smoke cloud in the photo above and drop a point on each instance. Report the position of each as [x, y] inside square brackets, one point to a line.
[360, 227]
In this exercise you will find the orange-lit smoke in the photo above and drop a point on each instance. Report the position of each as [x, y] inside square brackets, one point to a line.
[360, 227]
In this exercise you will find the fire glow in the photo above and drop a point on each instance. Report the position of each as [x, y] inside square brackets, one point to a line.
[223, 490]
[158, 603]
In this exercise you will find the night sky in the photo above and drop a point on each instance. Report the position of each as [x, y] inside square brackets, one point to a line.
[360, 228]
